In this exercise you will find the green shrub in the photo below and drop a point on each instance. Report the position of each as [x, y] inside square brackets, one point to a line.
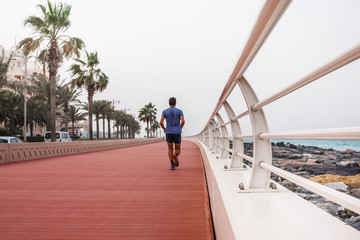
[35, 139]
[75, 137]
[4, 132]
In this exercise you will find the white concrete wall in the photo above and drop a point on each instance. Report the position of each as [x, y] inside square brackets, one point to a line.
[268, 214]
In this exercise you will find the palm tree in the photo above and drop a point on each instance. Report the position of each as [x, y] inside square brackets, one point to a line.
[109, 115]
[36, 113]
[12, 109]
[50, 28]
[105, 108]
[92, 78]
[154, 127]
[119, 116]
[40, 88]
[147, 114]
[133, 126]
[75, 116]
[67, 95]
[97, 108]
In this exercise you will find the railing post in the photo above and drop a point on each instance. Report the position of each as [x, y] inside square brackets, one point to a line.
[211, 135]
[237, 144]
[217, 135]
[224, 134]
[207, 137]
[261, 147]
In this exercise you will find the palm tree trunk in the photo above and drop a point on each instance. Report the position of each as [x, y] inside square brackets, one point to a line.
[147, 131]
[103, 127]
[31, 128]
[90, 99]
[73, 128]
[53, 62]
[48, 117]
[97, 128]
[66, 120]
[109, 134]
[44, 69]
[11, 125]
[117, 131]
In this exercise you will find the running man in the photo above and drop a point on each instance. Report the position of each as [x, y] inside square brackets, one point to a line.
[174, 123]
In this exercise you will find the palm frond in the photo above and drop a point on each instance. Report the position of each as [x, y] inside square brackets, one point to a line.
[72, 46]
[102, 83]
[80, 61]
[36, 23]
[75, 69]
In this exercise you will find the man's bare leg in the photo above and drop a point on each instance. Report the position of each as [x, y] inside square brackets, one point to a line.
[177, 152]
[177, 148]
[170, 151]
[171, 155]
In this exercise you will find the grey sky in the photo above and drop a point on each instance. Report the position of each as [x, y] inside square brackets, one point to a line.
[152, 50]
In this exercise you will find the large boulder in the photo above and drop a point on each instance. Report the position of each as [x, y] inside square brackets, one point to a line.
[295, 156]
[329, 207]
[339, 186]
[356, 192]
[348, 164]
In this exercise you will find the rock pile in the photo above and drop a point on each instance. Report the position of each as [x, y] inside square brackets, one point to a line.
[339, 170]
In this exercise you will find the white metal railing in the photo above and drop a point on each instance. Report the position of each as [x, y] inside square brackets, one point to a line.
[333, 134]
[215, 134]
[343, 59]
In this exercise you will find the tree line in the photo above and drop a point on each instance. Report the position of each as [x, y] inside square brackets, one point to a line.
[48, 94]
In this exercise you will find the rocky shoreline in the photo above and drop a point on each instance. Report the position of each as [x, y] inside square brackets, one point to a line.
[339, 170]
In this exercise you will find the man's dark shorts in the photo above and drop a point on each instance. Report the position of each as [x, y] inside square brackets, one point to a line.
[173, 138]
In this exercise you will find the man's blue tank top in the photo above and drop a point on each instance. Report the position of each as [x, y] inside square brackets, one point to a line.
[172, 116]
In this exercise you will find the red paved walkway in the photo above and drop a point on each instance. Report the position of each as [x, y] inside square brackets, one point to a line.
[127, 193]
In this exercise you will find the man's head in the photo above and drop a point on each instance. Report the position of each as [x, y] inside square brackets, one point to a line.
[172, 101]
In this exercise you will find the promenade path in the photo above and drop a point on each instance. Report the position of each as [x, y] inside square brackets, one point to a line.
[125, 193]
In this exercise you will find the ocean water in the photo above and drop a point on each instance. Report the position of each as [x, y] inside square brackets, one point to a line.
[340, 145]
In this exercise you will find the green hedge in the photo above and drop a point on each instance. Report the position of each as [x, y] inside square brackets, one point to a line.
[35, 139]
[4, 132]
[75, 137]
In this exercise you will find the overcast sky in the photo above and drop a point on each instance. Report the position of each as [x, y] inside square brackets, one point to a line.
[153, 50]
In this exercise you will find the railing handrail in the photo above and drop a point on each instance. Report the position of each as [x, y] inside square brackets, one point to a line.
[268, 18]
[340, 198]
[328, 134]
[338, 62]
[261, 169]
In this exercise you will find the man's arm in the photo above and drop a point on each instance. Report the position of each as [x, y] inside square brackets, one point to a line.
[182, 121]
[162, 123]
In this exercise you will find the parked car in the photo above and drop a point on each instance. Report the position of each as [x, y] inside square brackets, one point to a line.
[6, 139]
[60, 136]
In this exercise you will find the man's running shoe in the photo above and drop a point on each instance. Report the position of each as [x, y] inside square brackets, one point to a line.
[172, 165]
[176, 160]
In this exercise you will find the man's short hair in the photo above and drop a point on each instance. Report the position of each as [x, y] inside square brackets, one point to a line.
[172, 101]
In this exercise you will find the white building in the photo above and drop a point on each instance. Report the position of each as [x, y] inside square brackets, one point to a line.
[17, 64]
